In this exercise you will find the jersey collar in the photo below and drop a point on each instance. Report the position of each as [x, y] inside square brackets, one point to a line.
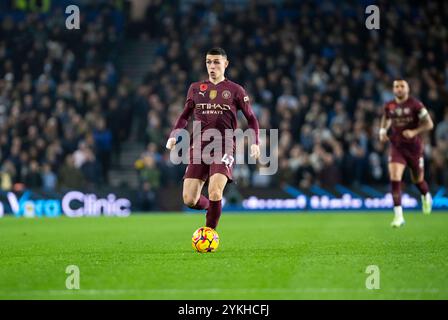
[403, 102]
[208, 81]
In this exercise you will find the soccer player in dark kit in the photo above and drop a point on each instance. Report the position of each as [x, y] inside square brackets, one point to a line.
[214, 103]
[408, 118]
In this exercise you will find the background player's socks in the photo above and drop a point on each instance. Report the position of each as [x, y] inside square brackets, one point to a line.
[213, 214]
[423, 187]
[202, 203]
[398, 211]
[396, 192]
[426, 197]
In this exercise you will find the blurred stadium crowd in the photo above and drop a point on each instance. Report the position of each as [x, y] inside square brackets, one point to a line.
[312, 70]
[63, 107]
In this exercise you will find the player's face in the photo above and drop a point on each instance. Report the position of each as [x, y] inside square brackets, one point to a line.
[401, 89]
[216, 65]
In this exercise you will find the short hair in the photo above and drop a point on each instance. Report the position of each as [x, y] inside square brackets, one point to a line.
[400, 79]
[217, 51]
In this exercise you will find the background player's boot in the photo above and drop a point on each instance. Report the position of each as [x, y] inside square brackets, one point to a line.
[398, 218]
[427, 203]
[397, 222]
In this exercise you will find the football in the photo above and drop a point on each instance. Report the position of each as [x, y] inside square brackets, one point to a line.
[205, 239]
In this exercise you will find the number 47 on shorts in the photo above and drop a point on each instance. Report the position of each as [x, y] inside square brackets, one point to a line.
[228, 160]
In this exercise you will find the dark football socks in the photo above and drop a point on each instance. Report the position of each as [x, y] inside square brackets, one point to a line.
[213, 214]
[203, 203]
[423, 187]
[396, 192]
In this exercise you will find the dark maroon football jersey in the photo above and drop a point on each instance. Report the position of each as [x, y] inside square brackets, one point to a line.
[216, 107]
[405, 115]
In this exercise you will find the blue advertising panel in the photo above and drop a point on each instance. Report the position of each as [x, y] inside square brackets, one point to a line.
[71, 204]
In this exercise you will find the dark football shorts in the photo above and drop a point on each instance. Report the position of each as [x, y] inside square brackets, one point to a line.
[412, 157]
[204, 171]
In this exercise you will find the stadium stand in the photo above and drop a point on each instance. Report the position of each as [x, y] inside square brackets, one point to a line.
[311, 68]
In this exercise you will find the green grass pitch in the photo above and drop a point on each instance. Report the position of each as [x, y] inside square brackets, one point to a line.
[261, 256]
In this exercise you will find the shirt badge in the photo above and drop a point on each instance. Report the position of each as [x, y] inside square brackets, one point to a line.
[226, 94]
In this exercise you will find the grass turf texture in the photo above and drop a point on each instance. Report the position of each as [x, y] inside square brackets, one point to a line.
[261, 256]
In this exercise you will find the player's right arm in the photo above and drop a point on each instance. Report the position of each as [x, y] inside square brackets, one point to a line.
[182, 121]
[385, 124]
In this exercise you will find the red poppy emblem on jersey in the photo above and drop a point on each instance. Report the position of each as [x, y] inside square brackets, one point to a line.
[203, 87]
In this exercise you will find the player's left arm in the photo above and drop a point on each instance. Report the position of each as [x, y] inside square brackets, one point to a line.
[425, 124]
[252, 122]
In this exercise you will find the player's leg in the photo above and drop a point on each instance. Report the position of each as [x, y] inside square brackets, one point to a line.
[216, 186]
[194, 180]
[397, 164]
[192, 196]
[396, 170]
[418, 178]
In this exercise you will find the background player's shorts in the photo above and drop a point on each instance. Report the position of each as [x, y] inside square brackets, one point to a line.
[205, 171]
[409, 157]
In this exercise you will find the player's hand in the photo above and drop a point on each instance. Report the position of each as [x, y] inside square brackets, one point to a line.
[409, 134]
[171, 143]
[255, 151]
[383, 136]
